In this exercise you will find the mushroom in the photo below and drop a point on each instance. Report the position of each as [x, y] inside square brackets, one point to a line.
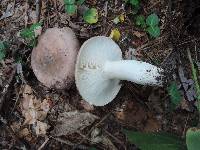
[99, 69]
[53, 60]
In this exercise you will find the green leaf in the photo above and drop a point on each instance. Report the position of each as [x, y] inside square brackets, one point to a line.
[35, 26]
[69, 2]
[29, 33]
[91, 16]
[175, 94]
[193, 139]
[26, 34]
[140, 21]
[92, 148]
[152, 20]
[116, 20]
[134, 2]
[155, 141]
[154, 31]
[195, 78]
[2, 50]
[80, 2]
[70, 9]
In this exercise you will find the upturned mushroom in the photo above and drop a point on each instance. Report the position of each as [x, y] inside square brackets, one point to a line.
[53, 60]
[99, 69]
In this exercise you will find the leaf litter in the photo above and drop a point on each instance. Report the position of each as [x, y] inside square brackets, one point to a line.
[72, 122]
[34, 110]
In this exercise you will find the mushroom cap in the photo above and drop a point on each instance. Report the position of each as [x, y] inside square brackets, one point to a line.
[53, 60]
[90, 79]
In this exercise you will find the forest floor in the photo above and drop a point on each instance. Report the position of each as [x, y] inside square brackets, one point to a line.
[68, 122]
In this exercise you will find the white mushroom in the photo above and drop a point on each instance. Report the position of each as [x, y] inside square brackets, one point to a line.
[99, 69]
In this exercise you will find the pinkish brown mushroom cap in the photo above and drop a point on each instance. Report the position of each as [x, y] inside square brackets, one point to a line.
[53, 60]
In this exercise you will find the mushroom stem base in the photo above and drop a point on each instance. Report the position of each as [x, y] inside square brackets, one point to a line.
[135, 71]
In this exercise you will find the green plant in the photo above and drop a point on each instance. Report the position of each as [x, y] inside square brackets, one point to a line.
[193, 138]
[3, 47]
[91, 16]
[140, 21]
[134, 3]
[155, 141]
[193, 134]
[30, 34]
[80, 2]
[71, 6]
[174, 94]
[92, 148]
[152, 22]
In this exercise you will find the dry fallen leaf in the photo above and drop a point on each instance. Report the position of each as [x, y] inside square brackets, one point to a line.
[152, 125]
[72, 122]
[15, 126]
[34, 111]
[98, 137]
[135, 115]
[86, 105]
[30, 116]
[115, 34]
[131, 54]
[24, 132]
[38, 31]
[9, 11]
[138, 34]
[45, 105]
[121, 18]
[41, 128]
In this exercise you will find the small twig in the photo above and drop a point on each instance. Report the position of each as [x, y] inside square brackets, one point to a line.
[11, 132]
[2, 98]
[187, 41]
[43, 145]
[26, 17]
[38, 9]
[16, 100]
[116, 139]
[62, 141]
[89, 132]
[184, 129]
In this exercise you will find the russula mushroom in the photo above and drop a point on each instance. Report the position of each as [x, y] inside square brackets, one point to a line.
[99, 69]
[53, 60]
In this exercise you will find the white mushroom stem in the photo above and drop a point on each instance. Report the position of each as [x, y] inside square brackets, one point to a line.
[135, 71]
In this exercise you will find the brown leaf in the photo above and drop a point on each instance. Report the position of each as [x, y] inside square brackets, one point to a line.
[86, 105]
[32, 108]
[72, 122]
[30, 116]
[135, 115]
[132, 114]
[152, 125]
[138, 34]
[41, 128]
[26, 134]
